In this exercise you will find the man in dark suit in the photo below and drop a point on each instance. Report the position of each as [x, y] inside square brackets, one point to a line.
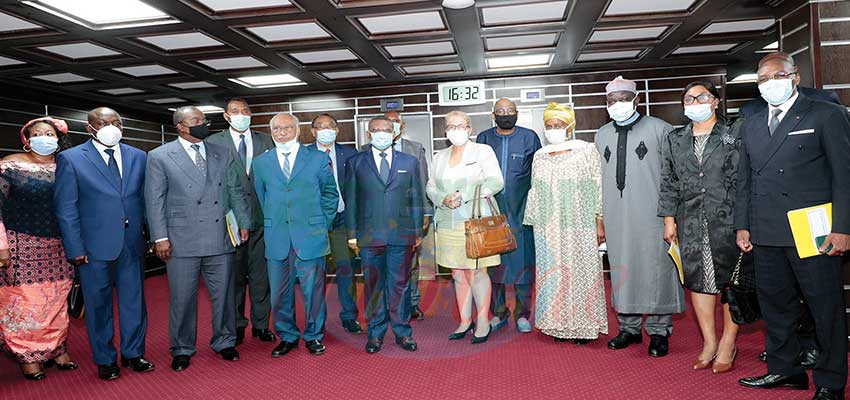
[99, 203]
[191, 186]
[795, 154]
[325, 129]
[758, 104]
[296, 189]
[249, 266]
[384, 216]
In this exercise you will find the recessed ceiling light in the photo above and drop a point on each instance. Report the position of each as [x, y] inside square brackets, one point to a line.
[65, 77]
[711, 48]
[521, 41]
[548, 11]
[78, 51]
[120, 91]
[458, 4]
[167, 100]
[626, 7]
[145, 70]
[739, 26]
[192, 85]
[180, 41]
[267, 81]
[233, 63]
[6, 61]
[420, 49]
[519, 62]
[207, 109]
[323, 56]
[350, 74]
[400, 23]
[230, 5]
[431, 68]
[608, 55]
[104, 14]
[772, 46]
[9, 23]
[615, 35]
[749, 77]
[289, 32]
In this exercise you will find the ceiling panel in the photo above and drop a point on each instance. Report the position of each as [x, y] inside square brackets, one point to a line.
[121, 91]
[324, 56]
[181, 41]
[548, 11]
[403, 23]
[350, 74]
[420, 49]
[64, 77]
[167, 100]
[192, 85]
[526, 61]
[710, 48]
[431, 68]
[6, 61]
[520, 41]
[233, 63]
[9, 23]
[739, 26]
[624, 7]
[104, 14]
[609, 55]
[289, 32]
[614, 35]
[145, 70]
[78, 51]
[230, 5]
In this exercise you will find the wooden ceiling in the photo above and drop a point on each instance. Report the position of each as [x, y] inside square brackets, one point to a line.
[202, 46]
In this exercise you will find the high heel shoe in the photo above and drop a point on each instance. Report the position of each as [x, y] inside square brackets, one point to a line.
[704, 364]
[482, 339]
[721, 368]
[68, 366]
[34, 376]
[461, 335]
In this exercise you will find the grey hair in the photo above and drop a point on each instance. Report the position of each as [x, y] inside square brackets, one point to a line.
[379, 118]
[460, 114]
[297, 121]
[785, 58]
[180, 114]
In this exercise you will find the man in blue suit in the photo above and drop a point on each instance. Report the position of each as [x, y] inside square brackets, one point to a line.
[299, 198]
[384, 216]
[99, 201]
[325, 129]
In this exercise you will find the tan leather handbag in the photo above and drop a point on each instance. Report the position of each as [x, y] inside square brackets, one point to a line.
[487, 236]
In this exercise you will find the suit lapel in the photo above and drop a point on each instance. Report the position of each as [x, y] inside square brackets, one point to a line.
[274, 164]
[393, 167]
[128, 163]
[214, 162]
[789, 122]
[372, 164]
[714, 139]
[300, 161]
[94, 156]
[180, 157]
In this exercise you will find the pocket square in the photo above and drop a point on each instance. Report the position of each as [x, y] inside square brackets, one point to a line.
[402, 171]
[802, 132]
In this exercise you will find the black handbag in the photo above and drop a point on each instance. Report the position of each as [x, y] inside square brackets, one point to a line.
[741, 295]
[76, 306]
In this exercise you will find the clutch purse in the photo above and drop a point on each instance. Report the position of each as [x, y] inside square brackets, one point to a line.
[741, 296]
[76, 306]
[487, 236]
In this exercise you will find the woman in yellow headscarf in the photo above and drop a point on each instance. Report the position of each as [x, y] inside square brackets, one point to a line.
[564, 205]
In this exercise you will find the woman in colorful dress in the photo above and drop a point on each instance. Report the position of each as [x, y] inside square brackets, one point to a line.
[35, 278]
[564, 205]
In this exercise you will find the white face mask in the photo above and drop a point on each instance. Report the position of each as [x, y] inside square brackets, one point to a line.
[458, 137]
[286, 147]
[396, 129]
[556, 136]
[240, 122]
[108, 135]
[777, 91]
[621, 110]
[326, 136]
[699, 112]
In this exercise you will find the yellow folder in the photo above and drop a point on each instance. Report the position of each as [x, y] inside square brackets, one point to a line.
[232, 228]
[676, 255]
[810, 227]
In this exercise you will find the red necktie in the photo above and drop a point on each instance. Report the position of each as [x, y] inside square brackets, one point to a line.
[328, 152]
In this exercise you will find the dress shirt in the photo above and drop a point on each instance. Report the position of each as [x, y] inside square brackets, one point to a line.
[784, 107]
[376, 154]
[341, 205]
[249, 146]
[187, 145]
[281, 158]
[101, 149]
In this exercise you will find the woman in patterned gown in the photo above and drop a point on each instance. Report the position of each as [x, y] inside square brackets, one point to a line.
[563, 206]
[697, 194]
[35, 278]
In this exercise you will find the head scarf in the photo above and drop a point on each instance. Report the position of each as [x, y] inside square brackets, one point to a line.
[561, 112]
[59, 124]
[619, 84]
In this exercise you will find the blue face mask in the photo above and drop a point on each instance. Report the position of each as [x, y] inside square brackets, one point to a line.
[44, 145]
[326, 136]
[382, 140]
[777, 91]
[699, 112]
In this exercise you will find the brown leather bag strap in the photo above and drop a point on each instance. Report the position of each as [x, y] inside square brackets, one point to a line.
[493, 211]
[476, 203]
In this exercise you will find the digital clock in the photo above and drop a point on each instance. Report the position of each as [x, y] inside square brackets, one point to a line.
[461, 93]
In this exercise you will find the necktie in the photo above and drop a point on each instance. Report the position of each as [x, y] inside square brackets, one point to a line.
[112, 166]
[328, 152]
[199, 160]
[286, 167]
[385, 168]
[243, 149]
[774, 121]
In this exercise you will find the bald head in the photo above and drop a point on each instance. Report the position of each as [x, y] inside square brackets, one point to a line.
[504, 103]
[103, 116]
[783, 58]
[284, 127]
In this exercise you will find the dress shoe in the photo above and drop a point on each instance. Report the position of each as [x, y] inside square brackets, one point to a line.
[523, 326]
[704, 364]
[352, 326]
[482, 339]
[659, 346]
[229, 354]
[497, 322]
[264, 335]
[374, 345]
[770, 381]
[624, 339]
[722, 368]
[417, 314]
[34, 376]
[240, 335]
[68, 366]
[461, 335]
[582, 342]
[828, 394]
[180, 363]
[763, 356]
[808, 358]
[283, 348]
[108, 372]
[315, 346]
[406, 343]
[138, 364]
[561, 340]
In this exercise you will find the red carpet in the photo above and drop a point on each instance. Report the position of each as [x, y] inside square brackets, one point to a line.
[510, 365]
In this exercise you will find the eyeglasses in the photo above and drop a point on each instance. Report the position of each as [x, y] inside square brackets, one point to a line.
[278, 129]
[454, 127]
[778, 75]
[505, 111]
[196, 122]
[703, 98]
[324, 126]
[116, 123]
[381, 131]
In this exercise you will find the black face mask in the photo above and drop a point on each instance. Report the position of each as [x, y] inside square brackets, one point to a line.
[201, 131]
[506, 122]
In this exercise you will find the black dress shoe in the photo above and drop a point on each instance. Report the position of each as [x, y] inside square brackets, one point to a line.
[180, 363]
[828, 394]
[482, 339]
[240, 335]
[68, 366]
[283, 348]
[264, 335]
[624, 339]
[352, 326]
[808, 358]
[659, 346]
[229, 354]
[763, 356]
[770, 381]
[374, 345]
[37, 376]
[561, 340]
[461, 335]
[582, 342]
[406, 343]
[138, 364]
[316, 347]
[417, 314]
[108, 372]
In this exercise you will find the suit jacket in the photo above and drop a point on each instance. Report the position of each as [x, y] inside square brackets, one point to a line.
[379, 214]
[805, 163]
[417, 150]
[189, 209]
[260, 143]
[96, 217]
[758, 104]
[480, 167]
[343, 153]
[300, 211]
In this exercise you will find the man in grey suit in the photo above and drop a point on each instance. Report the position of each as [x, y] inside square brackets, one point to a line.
[191, 187]
[249, 267]
[415, 149]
